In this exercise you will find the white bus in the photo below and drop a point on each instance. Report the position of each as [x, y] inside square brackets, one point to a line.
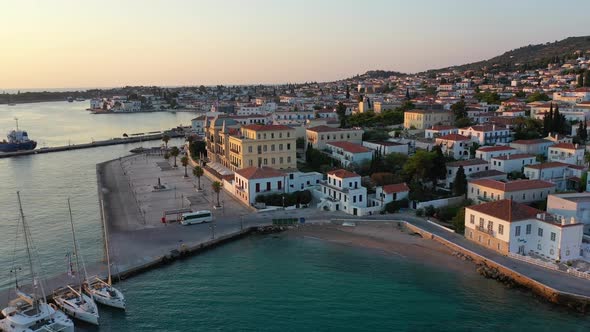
[196, 217]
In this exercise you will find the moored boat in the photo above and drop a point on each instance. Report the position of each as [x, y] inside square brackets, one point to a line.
[17, 140]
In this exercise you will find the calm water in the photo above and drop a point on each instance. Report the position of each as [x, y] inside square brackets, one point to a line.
[259, 283]
[60, 123]
[295, 284]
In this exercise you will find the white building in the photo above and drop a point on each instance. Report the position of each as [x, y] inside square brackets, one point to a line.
[343, 192]
[349, 153]
[488, 152]
[292, 117]
[487, 134]
[440, 130]
[297, 181]
[470, 166]
[512, 162]
[509, 227]
[574, 205]
[253, 181]
[565, 176]
[386, 147]
[454, 145]
[523, 191]
[568, 153]
[532, 146]
[391, 192]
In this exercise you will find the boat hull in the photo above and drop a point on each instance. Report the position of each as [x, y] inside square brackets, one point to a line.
[101, 295]
[14, 147]
[90, 317]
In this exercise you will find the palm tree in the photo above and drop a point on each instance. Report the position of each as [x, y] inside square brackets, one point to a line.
[166, 138]
[198, 172]
[184, 162]
[216, 185]
[174, 153]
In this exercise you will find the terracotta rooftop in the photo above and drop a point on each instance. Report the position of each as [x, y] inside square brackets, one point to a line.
[516, 185]
[567, 146]
[342, 173]
[453, 137]
[350, 147]
[259, 173]
[531, 141]
[485, 174]
[495, 148]
[396, 188]
[323, 129]
[515, 156]
[503, 210]
[470, 162]
[553, 164]
[259, 127]
[386, 143]
[442, 127]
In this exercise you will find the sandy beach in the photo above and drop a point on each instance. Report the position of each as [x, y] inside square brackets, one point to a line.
[390, 239]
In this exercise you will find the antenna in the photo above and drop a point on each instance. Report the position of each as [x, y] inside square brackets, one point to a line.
[16, 119]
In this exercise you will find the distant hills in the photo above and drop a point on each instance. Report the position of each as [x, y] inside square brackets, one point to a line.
[530, 57]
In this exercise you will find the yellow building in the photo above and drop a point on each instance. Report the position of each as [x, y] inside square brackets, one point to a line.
[424, 119]
[252, 146]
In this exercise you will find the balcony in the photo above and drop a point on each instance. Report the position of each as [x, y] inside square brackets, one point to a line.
[485, 230]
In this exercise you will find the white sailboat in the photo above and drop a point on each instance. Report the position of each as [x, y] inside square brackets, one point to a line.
[73, 301]
[102, 291]
[31, 313]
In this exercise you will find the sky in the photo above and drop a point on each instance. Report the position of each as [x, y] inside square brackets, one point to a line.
[106, 43]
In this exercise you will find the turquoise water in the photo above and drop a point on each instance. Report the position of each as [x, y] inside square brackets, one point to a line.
[269, 283]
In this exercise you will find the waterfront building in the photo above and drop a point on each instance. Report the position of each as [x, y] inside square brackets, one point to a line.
[571, 205]
[424, 119]
[321, 135]
[251, 182]
[512, 162]
[568, 153]
[349, 153]
[391, 192]
[509, 227]
[488, 152]
[343, 191]
[524, 191]
[454, 145]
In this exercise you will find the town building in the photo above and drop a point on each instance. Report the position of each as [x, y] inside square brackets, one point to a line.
[512, 162]
[391, 192]
[512, 228]
[386, 147]
[571, 205]
[487, 134]
[523, 191]
[454, 145]
[568, 153]
[319, 136]
[440, 130]
[488, 152]
[343, 192]
[564, 176]
[251, 182]
[469, 167]
[532, 146]
[348, 153]
[424, 119]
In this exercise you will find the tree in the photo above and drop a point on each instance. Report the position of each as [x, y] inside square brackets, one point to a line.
[587, 78]
[460, 182]
[216, 185]
[459, 221]
[459, 109]
[341, 111]
[347, 92]
[165, 139]
[581, 80]
[439, 166]
[184, 162]
[548, 121]
[174, 152]
[418, 166]
[538, 96]
[198, 172]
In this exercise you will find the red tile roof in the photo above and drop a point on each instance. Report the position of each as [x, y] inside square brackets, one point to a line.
[259, 173]
[470, 162]
[506, 210]
[495, 148]
[259, 127]
[530, 141]
[350, 147]
[453, 137]
[515, 156]
[342, 173]
[323, 129]
[442, 127]
[396, 188]
[554, 164]
[516, 185]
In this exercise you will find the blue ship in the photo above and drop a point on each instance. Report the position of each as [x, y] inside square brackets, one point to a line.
[17, 140]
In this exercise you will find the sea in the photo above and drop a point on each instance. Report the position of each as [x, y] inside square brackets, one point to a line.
[259, 283]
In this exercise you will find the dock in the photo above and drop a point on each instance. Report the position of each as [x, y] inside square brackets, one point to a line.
[94, 144]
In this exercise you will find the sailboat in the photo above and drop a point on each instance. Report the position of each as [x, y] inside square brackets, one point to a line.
[73, 301]
[102, 291]
[30, 312]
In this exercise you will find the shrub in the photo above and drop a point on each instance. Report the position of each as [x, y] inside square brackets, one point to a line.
[429, 211]
[395, 206]
[420, 213]
[296, 198]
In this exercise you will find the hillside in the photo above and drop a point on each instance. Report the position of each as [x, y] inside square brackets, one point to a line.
[531, 56]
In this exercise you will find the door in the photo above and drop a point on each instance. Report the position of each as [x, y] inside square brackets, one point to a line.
[521, 250]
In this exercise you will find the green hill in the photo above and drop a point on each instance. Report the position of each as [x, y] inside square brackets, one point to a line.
[531, 56]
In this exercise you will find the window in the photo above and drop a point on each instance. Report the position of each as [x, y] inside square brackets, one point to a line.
[265, 161]
[540, 232]
[517, 231]
[272, 147]
[288, 146]
[273, 161]
[250, 149]
[360, 198]
[472, 221]
[528, 229]
[553, 236]
[280, 147]
[501, 229]
[281, 161]
[481, 222]
[490, 225]
[289, 159]
[539, 247]
[354, 199]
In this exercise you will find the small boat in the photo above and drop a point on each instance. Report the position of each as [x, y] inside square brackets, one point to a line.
[70, 99]
[101, 291]
[74, 302]
[30, 312]
[80, 99]
[17, 140]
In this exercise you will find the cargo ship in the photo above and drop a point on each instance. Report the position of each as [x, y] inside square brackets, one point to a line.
[17, 140]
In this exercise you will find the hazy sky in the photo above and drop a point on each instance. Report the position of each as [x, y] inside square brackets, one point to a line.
[86, 43]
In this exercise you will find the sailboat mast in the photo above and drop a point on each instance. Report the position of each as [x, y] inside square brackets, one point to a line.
[106, 242]
[75, 246]
[26, 233]
[16, 119]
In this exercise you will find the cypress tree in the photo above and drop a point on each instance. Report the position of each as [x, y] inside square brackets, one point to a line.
[581, 79]
[587, 79]
[460, 183]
